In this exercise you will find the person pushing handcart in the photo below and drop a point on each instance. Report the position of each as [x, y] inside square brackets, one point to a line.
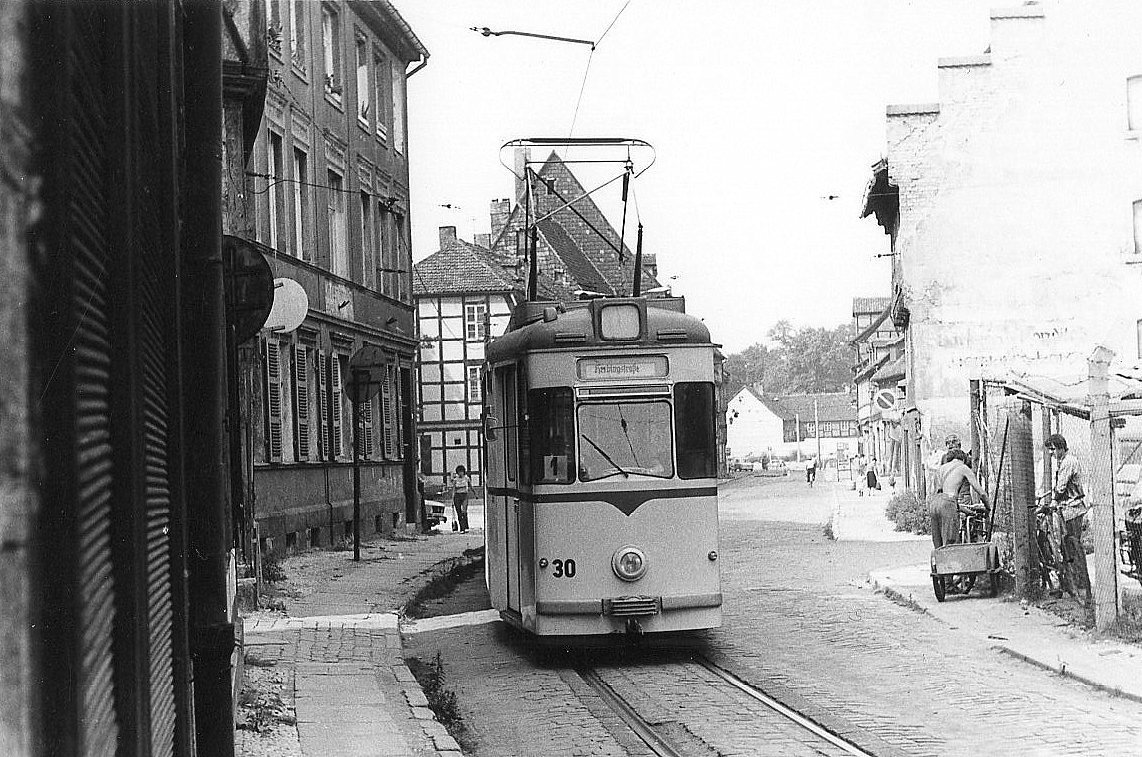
[960, 546]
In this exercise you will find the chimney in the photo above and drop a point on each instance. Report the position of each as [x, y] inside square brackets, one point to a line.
[484, 240]
[499, 212]
[522, 156]
[447, 237]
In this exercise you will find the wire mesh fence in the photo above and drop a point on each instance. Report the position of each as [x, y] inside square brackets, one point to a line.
[1046, 548]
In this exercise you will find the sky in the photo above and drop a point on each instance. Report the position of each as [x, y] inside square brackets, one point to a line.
[759, 111]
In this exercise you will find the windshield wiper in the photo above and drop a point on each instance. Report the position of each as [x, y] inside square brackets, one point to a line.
[606, 457]
[626, 433]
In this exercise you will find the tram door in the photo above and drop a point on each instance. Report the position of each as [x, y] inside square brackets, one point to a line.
[512, 419]
[501, 513]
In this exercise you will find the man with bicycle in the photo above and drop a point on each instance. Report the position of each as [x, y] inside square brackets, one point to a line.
[1069, 500]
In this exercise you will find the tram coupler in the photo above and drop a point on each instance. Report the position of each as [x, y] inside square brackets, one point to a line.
[634, 629]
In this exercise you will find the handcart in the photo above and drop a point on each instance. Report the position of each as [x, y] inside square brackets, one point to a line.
[968, 561]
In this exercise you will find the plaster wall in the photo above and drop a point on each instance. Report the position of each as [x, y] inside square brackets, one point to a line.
[1016, 242]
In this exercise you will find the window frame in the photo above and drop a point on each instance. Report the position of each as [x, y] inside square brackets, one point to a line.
[332, 56]
[364, 88]
[297, 41]
[475, 328]
[301, 202]
[685, 424]
[339, 264]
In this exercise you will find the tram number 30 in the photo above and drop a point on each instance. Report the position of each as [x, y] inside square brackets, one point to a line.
[563, 568]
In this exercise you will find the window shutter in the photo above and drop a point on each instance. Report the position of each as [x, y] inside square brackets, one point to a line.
[335, 446]
[387, 411]
[366, 427]
[397, 387]
[301, 400]
[273, 402]
[322, 406]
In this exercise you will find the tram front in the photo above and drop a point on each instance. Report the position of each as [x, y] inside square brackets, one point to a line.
[603, 514]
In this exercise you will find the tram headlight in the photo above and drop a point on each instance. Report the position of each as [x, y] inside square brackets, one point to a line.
[629, 563]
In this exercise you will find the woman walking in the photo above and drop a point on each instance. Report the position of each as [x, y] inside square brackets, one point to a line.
[461, 488]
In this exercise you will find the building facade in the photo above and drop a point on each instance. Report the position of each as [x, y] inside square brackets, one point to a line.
[329, 196]
[795, 426]
[1014, 206]
[118, 629]
[877, 366]
[464, 299]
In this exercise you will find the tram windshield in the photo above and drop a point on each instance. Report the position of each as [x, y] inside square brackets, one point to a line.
[625, 438]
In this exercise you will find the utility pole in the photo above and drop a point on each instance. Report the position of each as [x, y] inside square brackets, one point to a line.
[817, 429]
[797, 423]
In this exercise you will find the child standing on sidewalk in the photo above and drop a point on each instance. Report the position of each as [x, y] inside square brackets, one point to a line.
[461, 488]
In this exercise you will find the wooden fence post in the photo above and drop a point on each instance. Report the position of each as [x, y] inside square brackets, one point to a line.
[1100, 491]
[1021, 459]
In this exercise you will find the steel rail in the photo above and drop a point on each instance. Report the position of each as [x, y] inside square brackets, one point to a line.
[781, 709]
[641, 727]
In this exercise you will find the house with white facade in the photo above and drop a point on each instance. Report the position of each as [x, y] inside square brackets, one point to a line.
[1014, 209]
[793, 426]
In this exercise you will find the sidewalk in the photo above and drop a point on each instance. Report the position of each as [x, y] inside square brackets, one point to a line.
[336, 650]
[1026, 633]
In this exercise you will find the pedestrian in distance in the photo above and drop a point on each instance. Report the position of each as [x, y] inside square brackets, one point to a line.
[872, 481]
[461, 487]
[811, 471]
[1069, 498]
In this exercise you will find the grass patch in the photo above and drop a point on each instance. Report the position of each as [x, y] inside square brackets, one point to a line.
[272, 571]
[441, 699]
[908, 513]
[906, 602]
[446, 577]
[261, 708]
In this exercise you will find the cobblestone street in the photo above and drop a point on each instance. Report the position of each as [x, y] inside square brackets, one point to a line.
[802, 624]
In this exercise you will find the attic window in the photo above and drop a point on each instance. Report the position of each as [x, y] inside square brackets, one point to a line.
[1138, 227]
[1134, 103]
[550, 184]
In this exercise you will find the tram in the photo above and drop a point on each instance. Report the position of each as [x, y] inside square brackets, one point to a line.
[602, 501]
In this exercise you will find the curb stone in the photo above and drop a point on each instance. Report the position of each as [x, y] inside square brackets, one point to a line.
[1061, 670]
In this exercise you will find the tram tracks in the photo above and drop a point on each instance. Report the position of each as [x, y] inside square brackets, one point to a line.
[659, 739]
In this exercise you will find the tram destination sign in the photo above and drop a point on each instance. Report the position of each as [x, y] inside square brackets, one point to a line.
[625, 367]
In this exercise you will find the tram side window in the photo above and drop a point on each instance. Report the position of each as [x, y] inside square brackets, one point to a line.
[507, 384]
[551, 426]
[694, 429]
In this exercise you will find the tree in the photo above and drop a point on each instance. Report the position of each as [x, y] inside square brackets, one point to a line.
[747, 367]
[804, 360]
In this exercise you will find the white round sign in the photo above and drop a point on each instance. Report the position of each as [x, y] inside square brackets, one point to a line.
[885, 399]
[290, 306]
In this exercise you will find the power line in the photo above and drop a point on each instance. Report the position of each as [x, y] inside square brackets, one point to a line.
[616, 18]
[582, 88]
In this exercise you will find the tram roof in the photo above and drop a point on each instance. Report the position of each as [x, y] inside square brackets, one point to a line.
[550, 325]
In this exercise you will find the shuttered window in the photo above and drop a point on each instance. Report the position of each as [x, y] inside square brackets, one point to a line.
[404, 377]
[301, 401]
[366, 427]
[323, 424]
[273, 401]
[387, 413]
[335, 394]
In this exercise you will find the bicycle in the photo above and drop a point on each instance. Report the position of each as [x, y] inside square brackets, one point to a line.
[1053, 563]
